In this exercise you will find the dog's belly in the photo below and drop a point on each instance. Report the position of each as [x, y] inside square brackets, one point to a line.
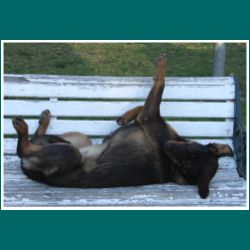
[129, 160]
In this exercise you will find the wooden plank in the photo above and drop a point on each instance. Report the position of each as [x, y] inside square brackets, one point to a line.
[58, 79]
[11, 143]
[155, 196]
[226, 189]
[102, 128]
[114, 108]
[125, 91]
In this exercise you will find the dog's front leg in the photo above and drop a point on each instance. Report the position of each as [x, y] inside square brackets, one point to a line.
[24, 147]
[129, 116]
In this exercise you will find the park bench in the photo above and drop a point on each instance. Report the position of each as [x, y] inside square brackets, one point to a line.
[205, 109]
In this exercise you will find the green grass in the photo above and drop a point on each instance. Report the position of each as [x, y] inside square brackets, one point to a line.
[130, 59]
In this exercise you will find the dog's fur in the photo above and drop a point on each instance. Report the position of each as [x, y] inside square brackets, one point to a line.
[145, 150]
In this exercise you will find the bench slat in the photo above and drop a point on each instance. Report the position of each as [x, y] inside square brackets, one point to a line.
[142, 197]
[11, 143]
[200, 92]
[115, 109]
[63, 79]
[103, 128]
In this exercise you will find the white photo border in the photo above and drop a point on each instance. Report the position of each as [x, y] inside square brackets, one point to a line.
[110, 207]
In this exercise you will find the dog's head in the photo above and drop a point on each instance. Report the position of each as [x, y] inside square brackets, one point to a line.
[197, 163]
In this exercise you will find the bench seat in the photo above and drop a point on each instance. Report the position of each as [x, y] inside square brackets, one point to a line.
[226, 189]
[200, 108]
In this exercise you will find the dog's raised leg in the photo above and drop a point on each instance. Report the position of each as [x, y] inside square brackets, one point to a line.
[55, 163]
[43, 123]
[151, 108]
[24, 147]
[149, 118]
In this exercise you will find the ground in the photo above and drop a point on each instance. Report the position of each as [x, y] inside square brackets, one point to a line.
[124, 59]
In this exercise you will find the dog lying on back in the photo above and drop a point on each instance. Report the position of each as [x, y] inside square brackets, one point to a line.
[144, 150]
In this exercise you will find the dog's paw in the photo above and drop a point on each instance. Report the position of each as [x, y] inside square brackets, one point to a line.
[45, 118]
[161, 60]
[20, 125]
[123, 120]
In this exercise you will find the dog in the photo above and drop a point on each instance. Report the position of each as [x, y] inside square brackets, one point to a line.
[144, 150]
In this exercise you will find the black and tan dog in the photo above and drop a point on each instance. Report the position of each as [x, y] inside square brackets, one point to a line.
[145, 150]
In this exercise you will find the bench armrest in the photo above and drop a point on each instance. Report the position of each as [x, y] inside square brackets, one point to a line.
[239, 136]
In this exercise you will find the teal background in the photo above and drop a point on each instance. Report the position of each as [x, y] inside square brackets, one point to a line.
[124, 20]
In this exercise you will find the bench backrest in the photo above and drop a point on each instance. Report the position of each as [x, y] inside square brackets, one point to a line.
[197, 107]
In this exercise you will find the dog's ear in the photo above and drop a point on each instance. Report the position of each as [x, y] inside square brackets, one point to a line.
[203, 186]
[220, 149]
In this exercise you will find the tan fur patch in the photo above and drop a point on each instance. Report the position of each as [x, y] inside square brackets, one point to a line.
[30, 148]
[77, 139]
[89, 166]
[93, 152]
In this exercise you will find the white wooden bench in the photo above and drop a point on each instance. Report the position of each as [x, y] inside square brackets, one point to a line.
[199, 108]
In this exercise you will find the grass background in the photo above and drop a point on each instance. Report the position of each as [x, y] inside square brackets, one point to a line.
[123, 59]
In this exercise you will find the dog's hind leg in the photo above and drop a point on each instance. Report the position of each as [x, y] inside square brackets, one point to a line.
[150, 119]
[151, 108]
